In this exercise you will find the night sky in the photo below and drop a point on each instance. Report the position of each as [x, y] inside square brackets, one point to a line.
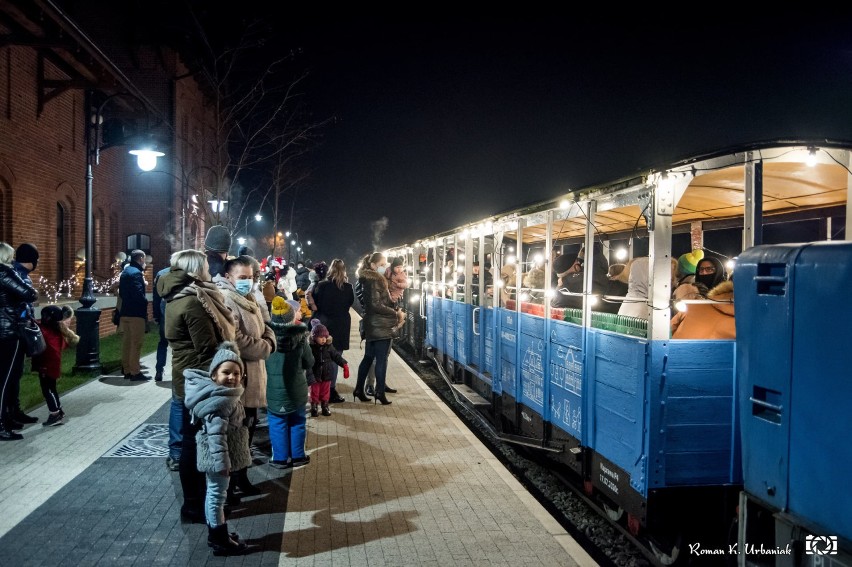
[437, 125]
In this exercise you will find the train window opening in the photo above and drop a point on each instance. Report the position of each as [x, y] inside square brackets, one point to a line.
[771, 279]
[766, 404]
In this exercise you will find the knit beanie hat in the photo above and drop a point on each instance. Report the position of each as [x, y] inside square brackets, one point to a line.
[318, 330]
[562, 263]
[281, 311]
[27, 253]
[227, 351]
[295, 305]
[687, 263]
[51, 314]
[218, 239]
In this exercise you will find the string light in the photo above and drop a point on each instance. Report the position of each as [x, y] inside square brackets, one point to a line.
[811, 159]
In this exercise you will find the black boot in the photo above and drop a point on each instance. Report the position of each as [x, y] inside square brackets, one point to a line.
[192, 511]
[224, 543]
[243, 484]
[383, 399]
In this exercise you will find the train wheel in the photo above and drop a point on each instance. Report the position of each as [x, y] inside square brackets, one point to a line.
[666, 554]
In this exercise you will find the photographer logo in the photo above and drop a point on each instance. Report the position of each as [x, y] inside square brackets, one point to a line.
[821, 545]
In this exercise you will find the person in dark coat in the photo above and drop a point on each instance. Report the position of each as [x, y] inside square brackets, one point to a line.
[217, 242]
[15, 295]
[326, 361]
[26, 261]
[334, 297]
[380, 320]
[303, 279]
[573, 282]
[134, 315]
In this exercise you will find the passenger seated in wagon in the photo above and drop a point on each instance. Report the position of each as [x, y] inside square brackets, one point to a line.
[572, 281]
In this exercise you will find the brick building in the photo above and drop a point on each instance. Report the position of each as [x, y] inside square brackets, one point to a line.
[51, 64]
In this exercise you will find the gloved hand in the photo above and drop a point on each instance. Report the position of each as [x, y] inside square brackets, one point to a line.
[345, 371]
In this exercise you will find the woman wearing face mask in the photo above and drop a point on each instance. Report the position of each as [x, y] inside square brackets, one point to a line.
[380, 318]
[710, 272]
[256, 341]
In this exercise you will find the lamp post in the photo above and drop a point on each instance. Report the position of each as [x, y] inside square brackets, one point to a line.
[88, 316]
[296, 243]
[257, 218]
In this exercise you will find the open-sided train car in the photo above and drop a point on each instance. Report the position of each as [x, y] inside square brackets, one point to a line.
[651, 424]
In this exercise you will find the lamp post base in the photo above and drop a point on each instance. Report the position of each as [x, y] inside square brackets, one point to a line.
[89, 347]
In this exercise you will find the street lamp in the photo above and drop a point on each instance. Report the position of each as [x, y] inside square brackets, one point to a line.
[88, 316]
[185, 185]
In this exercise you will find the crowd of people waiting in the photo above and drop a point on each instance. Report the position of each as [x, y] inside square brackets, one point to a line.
[246, 337]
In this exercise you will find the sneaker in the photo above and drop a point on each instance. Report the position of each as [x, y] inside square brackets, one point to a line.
[139, 377]
[390, 390]
[280, 464]
[128, 376]
[314, 412]
[159, 376]
[172, 464]
[62, 413]
[325, 411]
[9, 435]
[369, 391]
[300, 461]
[14, 425]
[53, 419]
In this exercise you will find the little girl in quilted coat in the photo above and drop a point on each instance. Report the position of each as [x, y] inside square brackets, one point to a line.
[223, 442]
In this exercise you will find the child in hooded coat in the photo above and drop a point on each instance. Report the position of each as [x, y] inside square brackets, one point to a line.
[213, 398]
[320, 376]
[287, 386]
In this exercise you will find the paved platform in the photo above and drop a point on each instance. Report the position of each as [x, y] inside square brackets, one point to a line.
[404, 484]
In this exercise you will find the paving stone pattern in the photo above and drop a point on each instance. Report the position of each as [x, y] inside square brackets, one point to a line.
[405, 484]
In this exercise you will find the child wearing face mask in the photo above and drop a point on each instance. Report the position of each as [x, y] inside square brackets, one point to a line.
[256, 341]
[213, 398]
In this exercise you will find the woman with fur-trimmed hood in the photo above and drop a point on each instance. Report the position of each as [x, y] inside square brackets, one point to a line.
[709, 321]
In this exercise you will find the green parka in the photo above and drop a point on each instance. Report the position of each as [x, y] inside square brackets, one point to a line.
[286, 384]
[196, 322]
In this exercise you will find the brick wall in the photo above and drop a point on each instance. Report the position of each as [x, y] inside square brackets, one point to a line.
[43, 166]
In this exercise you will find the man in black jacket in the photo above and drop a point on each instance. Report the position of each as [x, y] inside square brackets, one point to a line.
[134, 315]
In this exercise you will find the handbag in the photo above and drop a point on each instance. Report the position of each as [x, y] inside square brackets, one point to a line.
[30, 334]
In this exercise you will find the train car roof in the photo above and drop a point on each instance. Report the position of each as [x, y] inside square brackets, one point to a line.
[714, 193]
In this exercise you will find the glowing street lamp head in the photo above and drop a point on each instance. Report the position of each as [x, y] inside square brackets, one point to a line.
[146, 159]
[258, 217]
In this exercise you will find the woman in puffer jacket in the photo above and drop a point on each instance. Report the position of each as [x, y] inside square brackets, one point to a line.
[380, 320]
[15, 294]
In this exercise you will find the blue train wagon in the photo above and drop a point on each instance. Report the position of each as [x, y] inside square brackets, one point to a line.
[793, 332]
[563, 361]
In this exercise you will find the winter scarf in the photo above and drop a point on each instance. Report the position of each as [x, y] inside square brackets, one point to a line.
[214, 304]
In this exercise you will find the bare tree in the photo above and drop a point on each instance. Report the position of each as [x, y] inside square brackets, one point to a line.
[261, 129]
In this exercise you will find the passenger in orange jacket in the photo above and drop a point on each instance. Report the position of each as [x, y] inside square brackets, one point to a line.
[708, 321]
